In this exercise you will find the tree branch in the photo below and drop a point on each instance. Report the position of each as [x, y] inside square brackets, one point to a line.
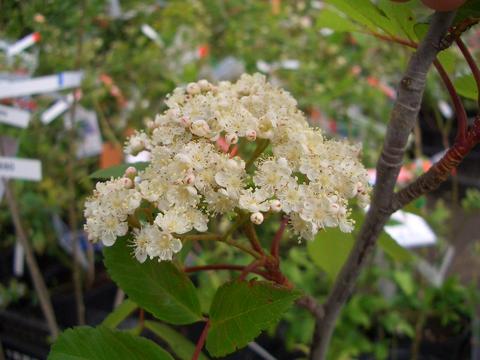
[440, 171]
[403, 117]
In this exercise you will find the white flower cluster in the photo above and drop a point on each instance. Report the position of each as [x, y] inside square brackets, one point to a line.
[191, 179]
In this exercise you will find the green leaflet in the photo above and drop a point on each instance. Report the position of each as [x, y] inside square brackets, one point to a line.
[119, 314]
[158, 287]
[241, 310]
[178, 344]
[87, 343]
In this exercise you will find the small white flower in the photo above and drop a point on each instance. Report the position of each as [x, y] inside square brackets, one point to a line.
[200, 128]
[193, 89]
[256, 218]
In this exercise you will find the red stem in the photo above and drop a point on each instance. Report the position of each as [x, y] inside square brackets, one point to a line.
[471, 62]
[252, 237]
[462, 120]
[251, 268]
[457, 103]
[275, 248]
[222, 267]
[141, 318]
[201, 341]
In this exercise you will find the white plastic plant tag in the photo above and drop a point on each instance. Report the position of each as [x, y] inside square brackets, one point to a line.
[18, 260]
[24, 169]
[43, 84]
[14, 116]
[89, 136]
[57, 109]
[413, 231]
[23, 43]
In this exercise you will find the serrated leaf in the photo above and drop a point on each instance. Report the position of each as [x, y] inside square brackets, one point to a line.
[117, 171]
[158, 287]
[179, 345]
[241, 310]
[332, 20]
[466, 87]
[87, 343]
[365, 13]
[401, 17]
[120, 313]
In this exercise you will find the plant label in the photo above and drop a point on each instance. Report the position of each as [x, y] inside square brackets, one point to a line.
[23, 43]
[89, 138]
[58, 108]
[13, 116]
[24, 169]
[42, 84]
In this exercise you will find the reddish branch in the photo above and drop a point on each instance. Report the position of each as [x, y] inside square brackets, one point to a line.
[440, 171]
[201, 341]
[471, 62]
[192, 269]
[251, 268]
[252, 237]
[275, 248]
[403, 117]
[462, 118]
[457, 103]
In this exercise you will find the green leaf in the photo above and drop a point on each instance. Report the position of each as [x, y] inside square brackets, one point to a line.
[158, 287]
[365, 13]
[392, 248]
[104, 344]
[330, 250]
[333, 20]
[241, 310]
[405, 281]
[180, 345]
[468, 11]
[401, 17]
[331, 247]
[117, 171]
[466, 87]
[119, 314]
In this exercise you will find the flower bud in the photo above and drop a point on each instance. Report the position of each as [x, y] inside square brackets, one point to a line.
[130, 172]
[275, 205]
[231, 139]
[256, 218]
[151, 124]
[189, 179]
[251, 135]
[185, 121]
[137, 180]
[136, 145]
[204, 85]
[127, 183]
[193, 88]
[200, 128]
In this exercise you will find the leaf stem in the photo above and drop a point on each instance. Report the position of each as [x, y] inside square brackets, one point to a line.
[275, 248]
[471, 62]
[251, 268]
[252, 236]
[457, 103]
[201, 341]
